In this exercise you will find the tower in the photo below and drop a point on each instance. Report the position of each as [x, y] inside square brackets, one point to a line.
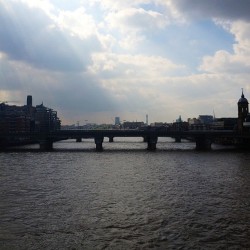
[29, 101]
[117, 120]
[242, 111]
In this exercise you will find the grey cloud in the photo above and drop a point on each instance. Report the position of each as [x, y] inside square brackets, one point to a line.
[83, 94]
[71, 93]
[25, 35]
[228, 9]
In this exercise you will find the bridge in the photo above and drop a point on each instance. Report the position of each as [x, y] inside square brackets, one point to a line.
[202, 138]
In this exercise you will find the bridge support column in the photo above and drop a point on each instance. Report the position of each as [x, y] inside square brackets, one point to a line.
[152, 140]
[79, 139]
[46, 144]
[145, 138]
[3, 143]
[203, 143]
[111, 139]
[98, 143]
[243, 144]
[177, 139]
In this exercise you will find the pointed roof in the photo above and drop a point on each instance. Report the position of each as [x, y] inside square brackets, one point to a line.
[243, 99]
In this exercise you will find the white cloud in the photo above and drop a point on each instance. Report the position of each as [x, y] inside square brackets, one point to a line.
[136, 20]
[115, 5]
[127, 66]
[232, 63]
[63, 42]
[241, 31]
[134, 24]
[77, 23]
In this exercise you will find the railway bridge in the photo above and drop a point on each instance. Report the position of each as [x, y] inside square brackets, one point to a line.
[202, 138]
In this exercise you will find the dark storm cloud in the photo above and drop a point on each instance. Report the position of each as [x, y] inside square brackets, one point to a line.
[227, 9]
[30, 35]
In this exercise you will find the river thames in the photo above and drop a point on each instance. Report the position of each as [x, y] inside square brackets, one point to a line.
[124, 197]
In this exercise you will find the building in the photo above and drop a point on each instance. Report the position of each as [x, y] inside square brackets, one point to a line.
[46, 119]
[246, 123]
[133, 125]
[243, 112]
[241, 123]
[26, 118]
[117, 121]
[14, 119]
[226, 123]
[206, 119]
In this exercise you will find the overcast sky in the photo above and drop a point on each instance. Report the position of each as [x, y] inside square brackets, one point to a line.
[92, 60]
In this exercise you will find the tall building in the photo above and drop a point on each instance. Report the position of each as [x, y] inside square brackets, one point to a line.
[242, 111]
[29, 101]
[117, 120]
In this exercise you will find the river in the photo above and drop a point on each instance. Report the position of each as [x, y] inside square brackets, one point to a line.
[124, 197]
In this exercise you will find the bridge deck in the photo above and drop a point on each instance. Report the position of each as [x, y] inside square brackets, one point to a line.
[143, 133]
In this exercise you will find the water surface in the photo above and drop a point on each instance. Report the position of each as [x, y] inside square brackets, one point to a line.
[125, 197]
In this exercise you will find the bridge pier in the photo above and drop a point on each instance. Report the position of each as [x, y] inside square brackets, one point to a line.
[243, 144]
[152, 141]
[203, 143]
[98, 143]
[79, 139]
[145, 138]
[111, 139]
[177, 139]
[3, 143]
[46, 144]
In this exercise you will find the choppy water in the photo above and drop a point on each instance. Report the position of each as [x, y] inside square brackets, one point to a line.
[125, 197]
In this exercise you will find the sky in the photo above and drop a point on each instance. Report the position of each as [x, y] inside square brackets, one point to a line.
[93, 60]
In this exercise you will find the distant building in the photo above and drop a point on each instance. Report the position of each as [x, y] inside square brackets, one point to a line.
[193, 121]
[24, 119]
[203, 122]
[133, 125]
[178, 120]
[224, 123]
[206, 119]
[117, 120]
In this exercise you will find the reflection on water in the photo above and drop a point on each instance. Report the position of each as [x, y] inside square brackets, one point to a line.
[125, 197]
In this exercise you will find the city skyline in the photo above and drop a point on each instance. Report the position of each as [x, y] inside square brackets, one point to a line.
[97, 60]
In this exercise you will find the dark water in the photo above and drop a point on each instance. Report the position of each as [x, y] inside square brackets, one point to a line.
[124, 197]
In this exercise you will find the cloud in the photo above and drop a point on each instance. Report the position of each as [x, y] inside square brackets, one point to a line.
[96, 59]
[229, 9]
[134, 24]
[134, 67]
[29, 34]
[136, 20]
[232, 63]
[116, 5]
[224, 62]
[72, 94]
[77, 23]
